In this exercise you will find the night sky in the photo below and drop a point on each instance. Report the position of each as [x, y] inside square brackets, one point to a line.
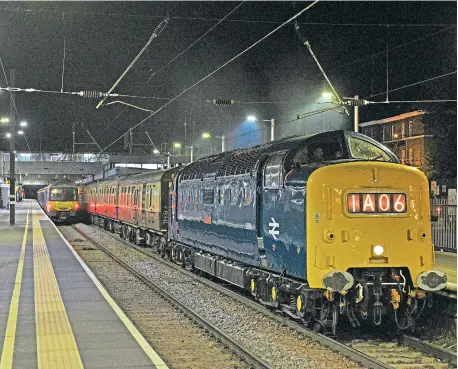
[276, 79]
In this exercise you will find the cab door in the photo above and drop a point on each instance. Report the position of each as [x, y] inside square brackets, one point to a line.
[281, 220]
[271, 190]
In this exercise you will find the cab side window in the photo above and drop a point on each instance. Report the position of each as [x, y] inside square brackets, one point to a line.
[361, 149]
[273, 172]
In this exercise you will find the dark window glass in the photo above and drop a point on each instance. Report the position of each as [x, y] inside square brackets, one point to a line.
[273, 176]
[361, 149]
[209, 196]
[63, 194]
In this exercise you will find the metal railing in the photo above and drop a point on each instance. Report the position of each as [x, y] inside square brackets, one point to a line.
[444, 230]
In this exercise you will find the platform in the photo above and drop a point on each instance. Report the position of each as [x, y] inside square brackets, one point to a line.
[446, 262]
[54, 313]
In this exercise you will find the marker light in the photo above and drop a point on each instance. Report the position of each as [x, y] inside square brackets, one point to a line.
[378, 250]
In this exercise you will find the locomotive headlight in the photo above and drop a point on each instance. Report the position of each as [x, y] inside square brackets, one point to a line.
[378, 250]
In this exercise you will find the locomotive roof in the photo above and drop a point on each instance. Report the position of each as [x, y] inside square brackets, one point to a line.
[242, 161]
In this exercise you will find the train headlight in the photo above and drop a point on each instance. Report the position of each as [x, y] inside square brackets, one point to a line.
[378, 250]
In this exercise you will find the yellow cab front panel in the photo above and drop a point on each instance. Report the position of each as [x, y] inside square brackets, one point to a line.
[356, 219]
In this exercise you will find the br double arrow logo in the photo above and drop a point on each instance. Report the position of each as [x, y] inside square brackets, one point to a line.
[273, 228]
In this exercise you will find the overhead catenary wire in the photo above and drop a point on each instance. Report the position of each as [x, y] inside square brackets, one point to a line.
[157, 31]
[193, 43]
[172, 60]
[15, 89]
[389, 50]
[411, 84]
[7, 83]
[298, 117]
[13, 101]
[80, 93]
[206, 19]
[212, 73]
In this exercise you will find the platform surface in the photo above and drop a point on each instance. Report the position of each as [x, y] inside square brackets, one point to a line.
[446, 262]
[53, 311]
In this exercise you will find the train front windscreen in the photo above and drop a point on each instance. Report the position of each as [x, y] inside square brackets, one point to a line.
[63, 194]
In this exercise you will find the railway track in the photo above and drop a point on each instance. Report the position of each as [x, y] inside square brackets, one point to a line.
[182, 338]
[370, 353]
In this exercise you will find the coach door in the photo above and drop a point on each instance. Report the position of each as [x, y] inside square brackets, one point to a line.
[137, 204]
[142, 205]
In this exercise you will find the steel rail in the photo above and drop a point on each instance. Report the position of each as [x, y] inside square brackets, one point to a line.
[352, 353]
[249, 357]
[355, 355]
[428, 348]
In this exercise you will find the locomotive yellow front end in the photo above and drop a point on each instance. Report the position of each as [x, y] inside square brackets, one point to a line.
[369, 234]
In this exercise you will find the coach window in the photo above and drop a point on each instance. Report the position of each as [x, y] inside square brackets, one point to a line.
[273, 176]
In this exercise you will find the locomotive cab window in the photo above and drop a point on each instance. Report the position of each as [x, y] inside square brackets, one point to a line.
[361, 149]
[273, 172]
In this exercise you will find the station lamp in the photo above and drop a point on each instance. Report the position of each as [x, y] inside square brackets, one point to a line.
[206, 135]
[23, 124]
[4, 120]
[20, 132]
[155, 151]
[177, 145]
[251, 118]
[8, 135]
[327, 95]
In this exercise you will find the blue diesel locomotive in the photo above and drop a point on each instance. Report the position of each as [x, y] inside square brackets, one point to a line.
[316, 226]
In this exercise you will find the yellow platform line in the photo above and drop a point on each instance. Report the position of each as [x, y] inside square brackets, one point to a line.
[56, 345]
[143, 343]
[6, 361]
